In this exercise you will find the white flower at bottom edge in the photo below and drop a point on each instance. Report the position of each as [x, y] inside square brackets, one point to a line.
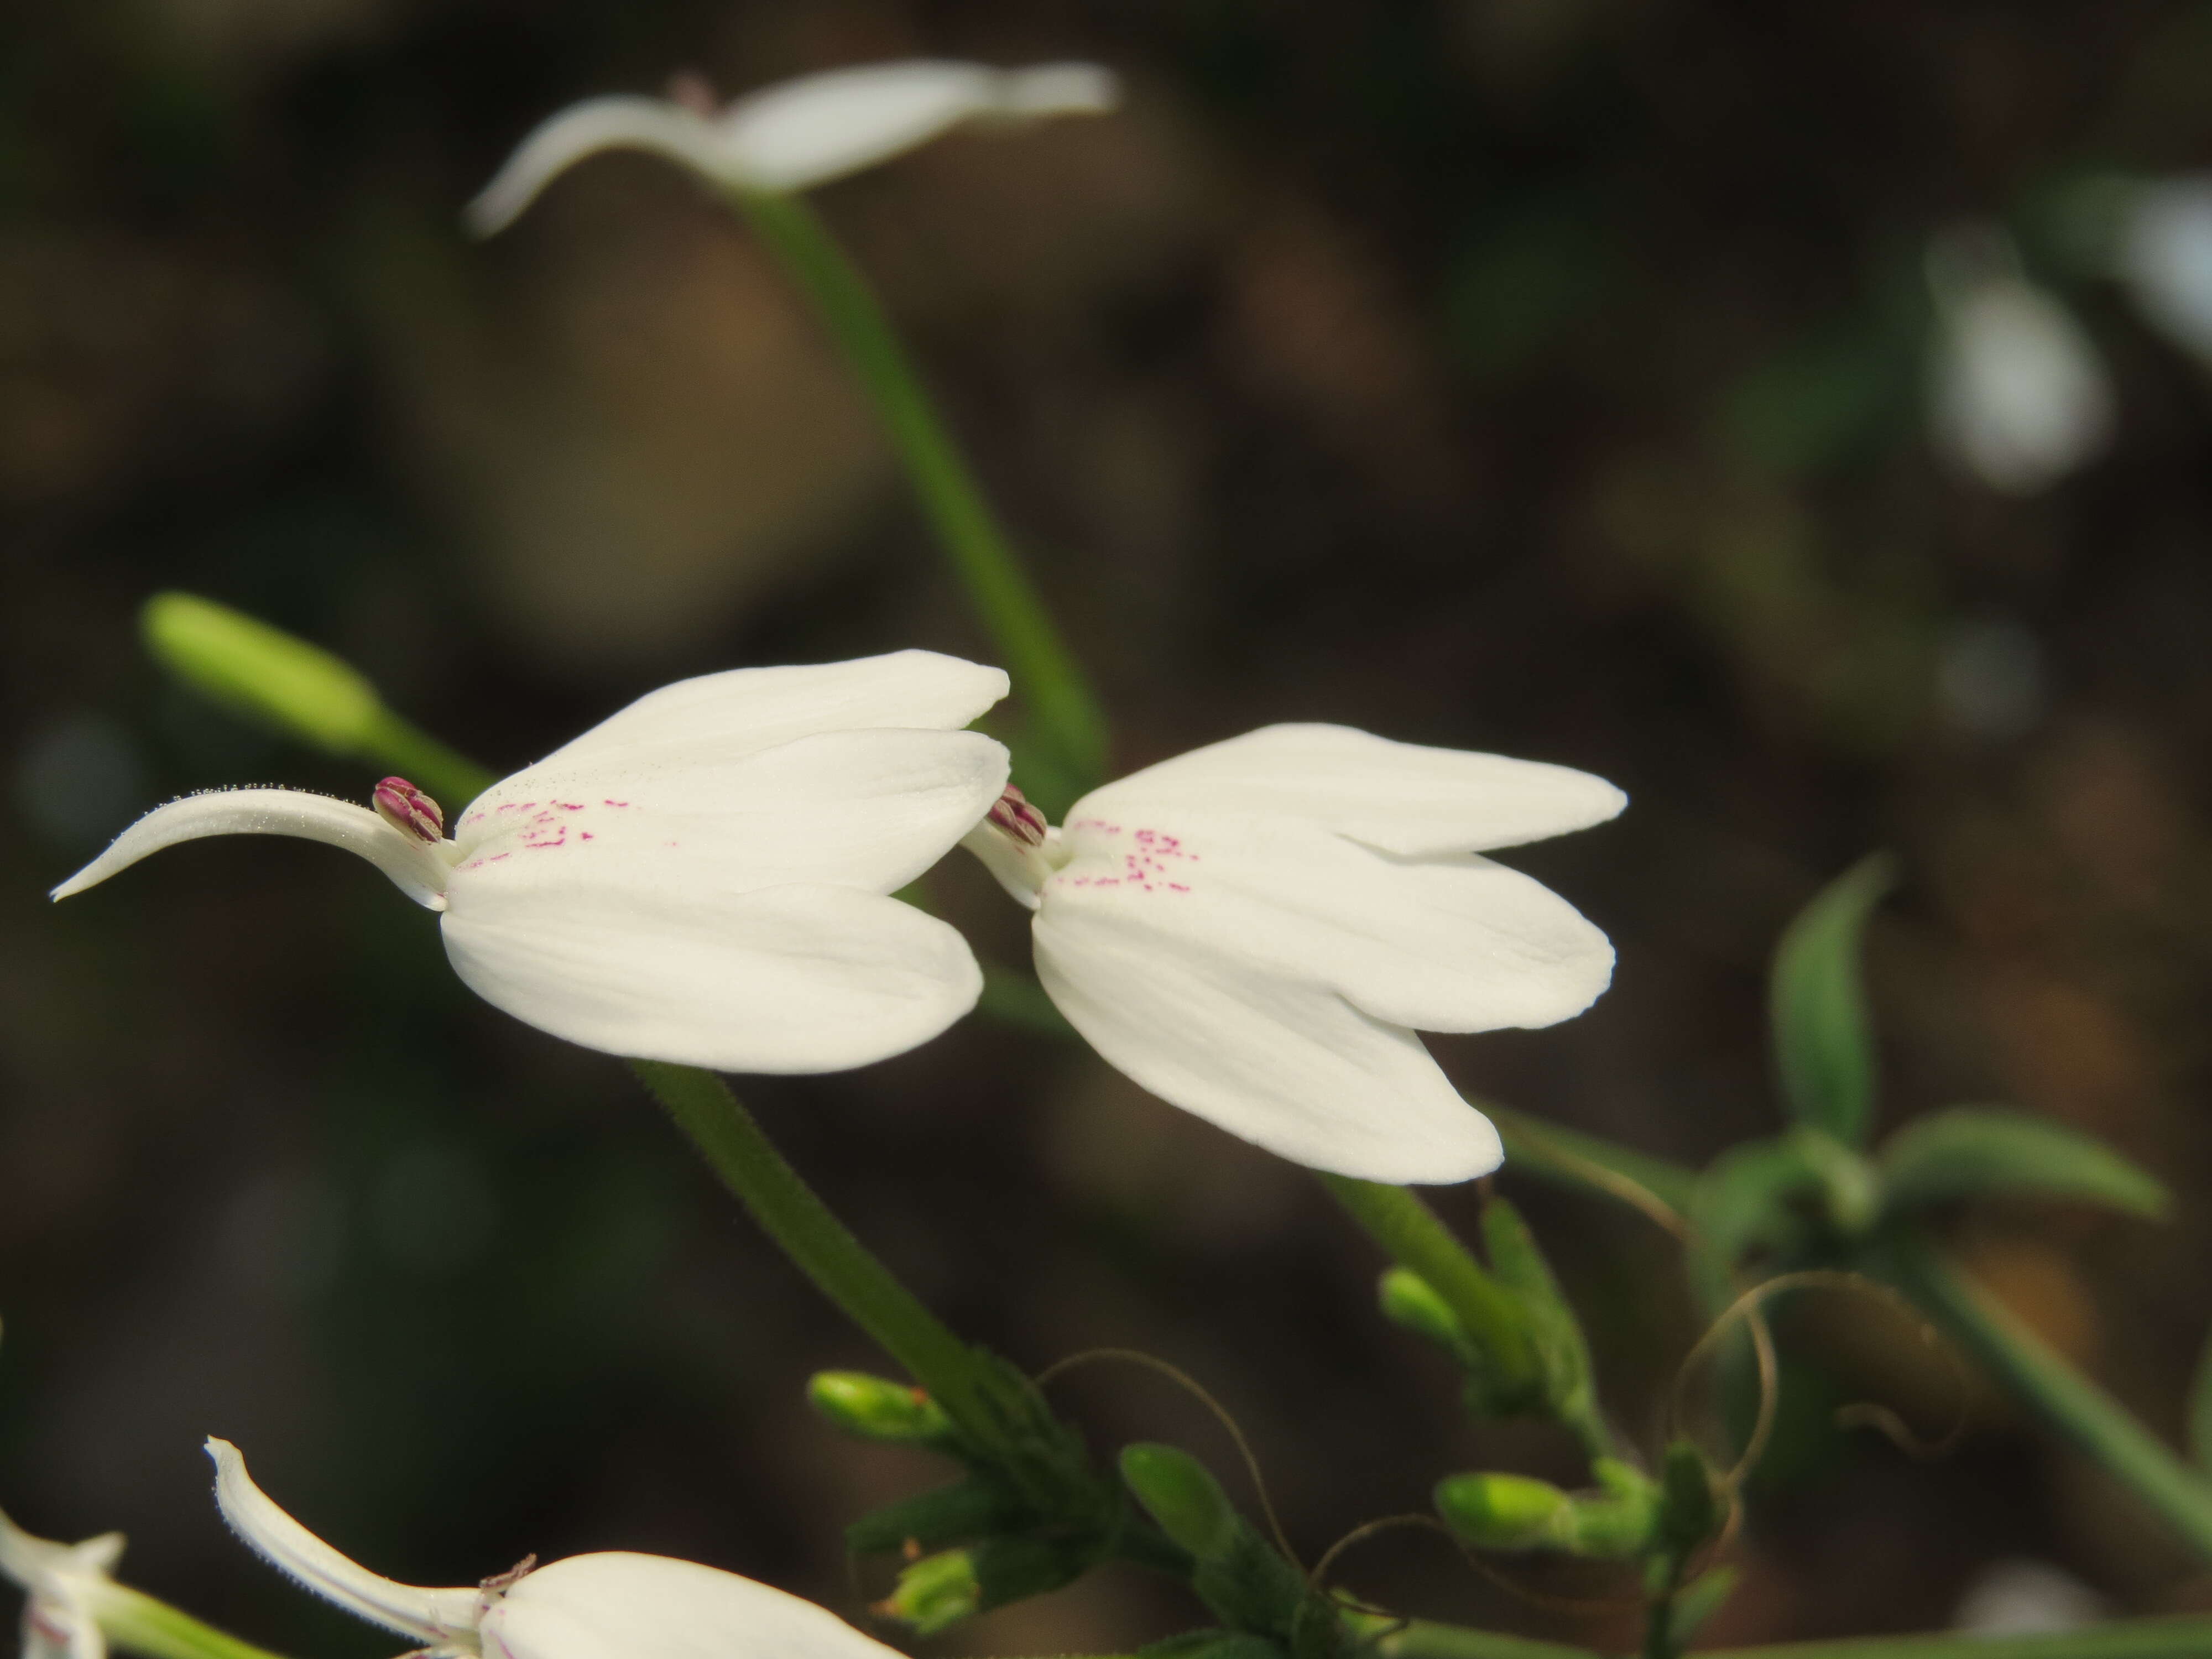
[702, 877]
[796, 134]
[610, 1606]
[1254, 932]
[62, 1585]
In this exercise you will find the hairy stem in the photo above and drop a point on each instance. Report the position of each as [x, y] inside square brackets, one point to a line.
[1045, 673]
[824, 1248]
[1413, 1236]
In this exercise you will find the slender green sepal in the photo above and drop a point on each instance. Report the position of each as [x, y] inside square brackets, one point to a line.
[1755, 1199]
[1181, 1495]
[1699, 1600]
[1977, 1151]
[136, 1623]
[1823, 1041]
[1406, 1299]
[1569, 1386]
[1690, 1510]
[1589, 1163]
[956, 1514]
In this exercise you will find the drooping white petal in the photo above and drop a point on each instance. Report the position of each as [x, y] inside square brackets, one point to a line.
[800, 978]
[1282, 1060]
[2164, 257]
[824, 126]
[1400, 797]
[2018, 394]
[434, 1616]
[1452, 942]
[581, 130]
[618, 1606]
[414, 866]
[871, 809]
[743, 710]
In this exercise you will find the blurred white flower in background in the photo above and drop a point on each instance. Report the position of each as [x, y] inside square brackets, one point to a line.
[609, 1606]
[2026, 1598]
[704, 878]
[2162, 252]
[64, 1588]
[1255, 931]
[2018, 395]
[796, 134]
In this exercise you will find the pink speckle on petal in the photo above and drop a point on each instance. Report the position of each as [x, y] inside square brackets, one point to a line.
[588, 834]
[614, 803]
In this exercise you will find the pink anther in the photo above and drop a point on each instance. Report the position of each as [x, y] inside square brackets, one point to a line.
[409, 811]
[1013, 816]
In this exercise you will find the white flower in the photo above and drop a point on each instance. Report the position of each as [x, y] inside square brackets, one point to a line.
[1253, 932]
[702, 877]
[2164, 255]
[798, 133]
[612, 1605]
[64, 1588]
[2017, 393]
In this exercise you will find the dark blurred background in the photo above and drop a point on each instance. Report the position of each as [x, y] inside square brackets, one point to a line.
[1534, 375]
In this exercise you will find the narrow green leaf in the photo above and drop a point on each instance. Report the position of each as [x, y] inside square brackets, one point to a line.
[1968, 1151]
[2200, 1411]
[1823, 1043]
[1699, 1600]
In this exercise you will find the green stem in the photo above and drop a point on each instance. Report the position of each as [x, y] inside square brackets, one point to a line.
[1051, 684]
[1410, 1232]
[1569, 1157]
[2065, 1401]
[824, 1249]
[136, 1623]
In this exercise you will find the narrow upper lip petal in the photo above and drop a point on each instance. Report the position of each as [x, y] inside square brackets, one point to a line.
[413, 868]
[581, 130]
[433, 1616]
[819, 127]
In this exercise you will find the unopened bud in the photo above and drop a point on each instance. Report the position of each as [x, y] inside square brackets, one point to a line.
[1179, 1493]
[1407, 1300]
[1505, 1511]
[877, 1408]
[1013, 816]
[409, 811]
[264, 671]
[935, 1593]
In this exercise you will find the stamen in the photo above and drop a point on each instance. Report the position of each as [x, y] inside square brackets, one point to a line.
[409, 811]
[1015, 817]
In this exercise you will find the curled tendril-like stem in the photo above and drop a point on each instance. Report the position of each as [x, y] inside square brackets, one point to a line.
[1198, 1391]
[1750, 1309]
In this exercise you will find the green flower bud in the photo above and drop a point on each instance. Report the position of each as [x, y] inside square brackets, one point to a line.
[247, 665]
[1407, 1300]
[1506, 1511]
[876, 1409]
[1177, 1492]
[935, 1593]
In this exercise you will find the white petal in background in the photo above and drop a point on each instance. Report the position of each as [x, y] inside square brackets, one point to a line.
[800, 133]
[2165, 258]
[2018, 393]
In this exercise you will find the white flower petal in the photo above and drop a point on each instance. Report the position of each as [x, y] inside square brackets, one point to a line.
[60, 1585]
[581, 130]
[820, 127]
[2164, 257]
[1400, 797]
[435, 1616]
[1283, 1061]
[413, 867]
[871, 809]
[1453, 943]
[784, 979]
[618, 1606]
[743, 710]
[2018, 394]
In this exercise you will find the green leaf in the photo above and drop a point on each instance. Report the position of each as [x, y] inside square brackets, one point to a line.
[1745, 1202]
[1823, 1044]
[1968, 1151]
[2200, 1411]
[1699, 1600]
